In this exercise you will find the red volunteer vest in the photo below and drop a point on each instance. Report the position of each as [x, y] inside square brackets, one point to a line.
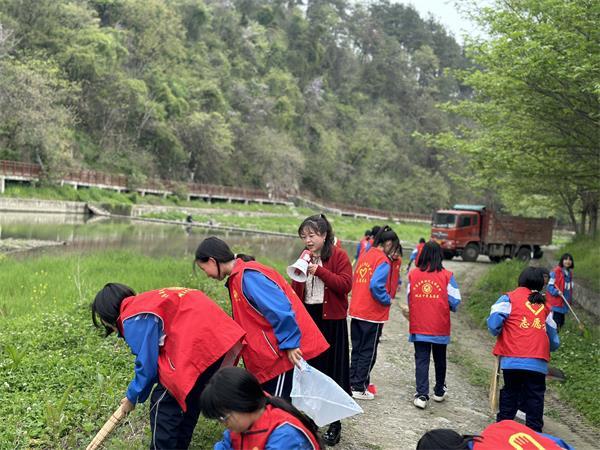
[197, 333]
[392, 284]
[524, 332]
[258, 434]
[419, 250]
[262, 356]
[559, 283]
[363, 246]
[429, 311]
[362, 305]
[509, 434]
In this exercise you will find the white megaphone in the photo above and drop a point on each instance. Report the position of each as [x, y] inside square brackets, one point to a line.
[299, 269]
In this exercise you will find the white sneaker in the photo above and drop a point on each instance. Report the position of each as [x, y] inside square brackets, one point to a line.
[366, 395]
[520, 415]
[440, 398]
[420, 402]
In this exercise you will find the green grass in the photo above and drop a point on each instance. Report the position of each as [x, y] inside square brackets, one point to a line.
[345, 228]
[586, 254]
[59, 379]
[578, 356]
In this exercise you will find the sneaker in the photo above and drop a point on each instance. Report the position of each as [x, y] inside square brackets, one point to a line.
[372, 389]
[440, 398]
[420, 402]
[520, 415]
[364, 395]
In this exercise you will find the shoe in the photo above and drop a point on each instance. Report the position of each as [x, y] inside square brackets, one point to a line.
[420, 402]
[333, 434]
[440, 398]
[372, 389]
[520, 415]
[364, 395]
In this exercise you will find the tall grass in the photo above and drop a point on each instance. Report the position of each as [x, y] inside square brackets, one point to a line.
[578, 355]
[59, 378]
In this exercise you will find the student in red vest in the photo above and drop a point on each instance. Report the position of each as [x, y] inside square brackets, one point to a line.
[414, 255]
[432, 294]
[254, 420]
[526, 335]
[172, 334]
[325, 296]
[561, 285]
[280, 332]
[363, 245]
[507, 434]
[394, 280]
[370, 308]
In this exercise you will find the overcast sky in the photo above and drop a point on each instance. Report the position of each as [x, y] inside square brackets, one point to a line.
[446, 13]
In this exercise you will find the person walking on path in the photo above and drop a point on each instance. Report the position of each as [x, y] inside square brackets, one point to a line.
[177, 346]
[414, 255]
[560, 288]
[526, 335]
[280, 332]
[432, 293]
[325, 296]
[370, 308]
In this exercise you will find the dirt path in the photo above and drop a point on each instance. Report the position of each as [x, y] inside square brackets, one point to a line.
[392, 422]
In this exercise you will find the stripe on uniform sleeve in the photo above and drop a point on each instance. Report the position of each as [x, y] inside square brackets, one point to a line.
[501, 308]
[453, 292]
[550, 320]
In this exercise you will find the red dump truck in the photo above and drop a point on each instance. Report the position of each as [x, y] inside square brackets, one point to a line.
[473, 230]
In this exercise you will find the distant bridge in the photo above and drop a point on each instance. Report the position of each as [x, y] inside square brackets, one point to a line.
[27, 172]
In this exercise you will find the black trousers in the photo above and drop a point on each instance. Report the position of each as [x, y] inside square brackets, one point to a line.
[281, 385]
[523, 389]
[171, 427]
[365, 339]
[423, 350]
[559, 318]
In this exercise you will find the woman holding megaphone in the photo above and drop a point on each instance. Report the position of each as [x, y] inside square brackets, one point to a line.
[279, 330]
[324, 290]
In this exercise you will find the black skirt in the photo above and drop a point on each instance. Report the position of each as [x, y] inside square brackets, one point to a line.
[335, 361]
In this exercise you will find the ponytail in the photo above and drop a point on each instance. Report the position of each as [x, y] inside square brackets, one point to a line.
[278, 402]
[245, 258]
[536, 297]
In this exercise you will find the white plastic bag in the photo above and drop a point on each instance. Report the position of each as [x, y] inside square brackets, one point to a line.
[319, 397]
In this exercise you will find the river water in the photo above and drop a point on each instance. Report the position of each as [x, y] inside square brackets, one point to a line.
[82, 234]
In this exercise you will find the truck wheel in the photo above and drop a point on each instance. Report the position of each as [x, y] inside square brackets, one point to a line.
[449, 255]
[524, 254]
[537, 252]
[470, 253]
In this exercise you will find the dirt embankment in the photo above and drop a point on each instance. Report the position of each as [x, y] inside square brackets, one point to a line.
[392, 422]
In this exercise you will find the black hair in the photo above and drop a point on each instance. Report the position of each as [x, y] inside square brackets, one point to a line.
[532, 278]
[319, 224]
[368, 232]
[386, 234]
[217, 249]
[444, 439]
[375, 230]
[566, 256]
[107, 305]
[422, 241]
[431, 257]
[234, 389]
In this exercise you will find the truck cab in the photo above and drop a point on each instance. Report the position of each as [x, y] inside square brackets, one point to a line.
[455, 229]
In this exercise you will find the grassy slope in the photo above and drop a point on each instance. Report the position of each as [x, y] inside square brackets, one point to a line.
[49, 349]
[578, 356]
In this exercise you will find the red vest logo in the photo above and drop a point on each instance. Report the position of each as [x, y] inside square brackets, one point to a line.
[524, 441]
[363, 270]
[427, 289]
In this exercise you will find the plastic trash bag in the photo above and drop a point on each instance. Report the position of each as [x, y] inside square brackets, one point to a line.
[319, 397]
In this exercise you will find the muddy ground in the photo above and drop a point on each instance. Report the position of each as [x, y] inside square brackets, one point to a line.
[392, 422]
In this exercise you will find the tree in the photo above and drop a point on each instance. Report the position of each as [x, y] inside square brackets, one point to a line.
[536, 103]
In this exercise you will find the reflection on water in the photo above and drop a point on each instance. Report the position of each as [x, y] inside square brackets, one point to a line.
[149, 238]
